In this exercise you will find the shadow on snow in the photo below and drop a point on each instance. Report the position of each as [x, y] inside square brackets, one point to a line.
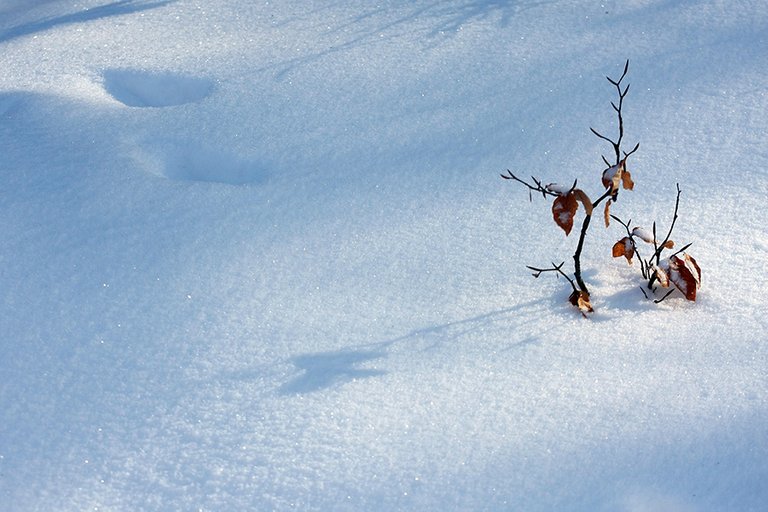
[444, 20]
[327, 369]
[116, 8]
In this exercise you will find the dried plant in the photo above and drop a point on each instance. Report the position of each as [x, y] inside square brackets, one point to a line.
[679, 268]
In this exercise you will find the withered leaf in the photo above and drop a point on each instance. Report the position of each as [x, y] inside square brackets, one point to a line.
[581, 300]
[693, 267]
[612, 176]
[607, 213]
[686, 275]
[618, 175]
[564, 210]
[584, 200]
[626, 180]
[661, 276]
[624, 248]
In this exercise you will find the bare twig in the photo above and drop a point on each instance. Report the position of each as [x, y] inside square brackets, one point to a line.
[622, 93]
[608, 193]
[682, 249]
[659, 249]
[555, 268]
[535, 185]
[657, 301]
[538, 187]
[643, 266]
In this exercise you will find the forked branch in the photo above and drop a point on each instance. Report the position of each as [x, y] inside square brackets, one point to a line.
[616, 176]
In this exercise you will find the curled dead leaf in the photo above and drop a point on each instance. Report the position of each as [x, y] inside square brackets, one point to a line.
[624, 247]
[607, 213]
[581, 300]
[661, 276]
[626, 180]
[686, 275]
[618, 175]
[564, 210]
[683, 272]
[693, 267]
[643, 234]
[584, 200]
[612, 177]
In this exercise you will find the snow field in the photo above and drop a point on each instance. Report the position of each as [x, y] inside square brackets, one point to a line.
[258, 257]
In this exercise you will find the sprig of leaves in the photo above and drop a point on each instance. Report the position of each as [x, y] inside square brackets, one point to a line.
[679, 269]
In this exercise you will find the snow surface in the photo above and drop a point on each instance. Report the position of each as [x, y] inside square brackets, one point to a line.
[257, 256]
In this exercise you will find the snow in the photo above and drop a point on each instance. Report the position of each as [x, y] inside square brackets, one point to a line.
[258, 256]
[560, 190]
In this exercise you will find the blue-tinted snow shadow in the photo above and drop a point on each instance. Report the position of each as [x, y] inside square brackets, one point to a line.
[445, 19]
[327, 369]
[11, 103]
[117, 8]
[431, 337]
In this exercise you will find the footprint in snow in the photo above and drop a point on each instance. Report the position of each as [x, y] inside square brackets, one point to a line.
[187, 160]
[136, 88]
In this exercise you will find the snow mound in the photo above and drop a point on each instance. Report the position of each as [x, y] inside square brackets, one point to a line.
[137, 88]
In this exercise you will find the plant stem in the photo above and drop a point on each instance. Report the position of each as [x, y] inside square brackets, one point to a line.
[582, 236]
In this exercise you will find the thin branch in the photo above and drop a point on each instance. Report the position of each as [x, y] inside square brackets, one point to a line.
[623, 74]
[538, 187]
[601, 136]
[683, 249]
[602, 198]
[657, 254]
[657, 301]
[625, 224]
[622, 93]
[555, 268]
[626, 154]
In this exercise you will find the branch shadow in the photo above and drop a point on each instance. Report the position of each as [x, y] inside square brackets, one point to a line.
[116, 8]
[446, 19]
[329, 369]
[435, 335]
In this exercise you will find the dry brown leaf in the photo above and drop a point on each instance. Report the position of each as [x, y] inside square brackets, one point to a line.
[624, 248]
[661, 276]
[607, 213]
[618, 175]
[581, 300]
[583, 199]
[564, 210]
[612, 177]
[686, 277]
[693, 267]
[626, 180]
